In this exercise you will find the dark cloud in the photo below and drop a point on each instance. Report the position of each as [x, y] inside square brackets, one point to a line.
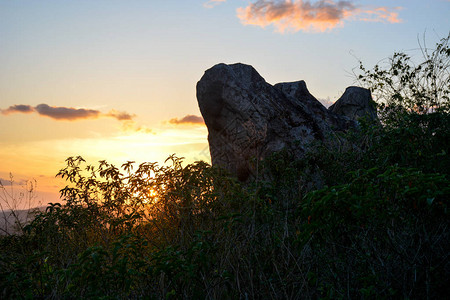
[20, 108]
[66, 113]
[61, 113]
[7, 182]
[189, 119]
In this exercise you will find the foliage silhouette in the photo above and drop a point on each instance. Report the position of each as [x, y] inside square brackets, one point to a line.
[403, 85]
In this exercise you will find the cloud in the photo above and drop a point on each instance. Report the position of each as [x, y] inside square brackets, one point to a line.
[120, 115]
[212, 3]
[66, 113]
[61, 113]
[57, 113]
[382, 14]
[20, 108]
[317, 16]
[11, 182]
[188, 119]
[132, 126]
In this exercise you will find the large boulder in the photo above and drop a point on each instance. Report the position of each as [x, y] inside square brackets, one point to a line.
[248, 119]
[355, 103]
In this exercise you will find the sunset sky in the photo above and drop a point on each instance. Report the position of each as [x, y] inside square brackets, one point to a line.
[115, 79]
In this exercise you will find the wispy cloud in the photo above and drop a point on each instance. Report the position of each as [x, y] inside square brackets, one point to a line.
[381, 14]
[61, 113]
[212, 3]
[188, 119]
[132, 126]
[120, 115]
[316, 16]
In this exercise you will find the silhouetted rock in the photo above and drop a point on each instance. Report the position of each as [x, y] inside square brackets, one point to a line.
[356, 102]
[248, 119]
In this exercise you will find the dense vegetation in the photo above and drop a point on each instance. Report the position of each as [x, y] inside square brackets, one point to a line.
[378, 227]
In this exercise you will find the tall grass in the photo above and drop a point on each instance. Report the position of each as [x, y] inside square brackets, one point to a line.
[17, 205]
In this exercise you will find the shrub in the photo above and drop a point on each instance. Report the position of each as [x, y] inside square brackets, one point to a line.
[383, 234]
[403, 85]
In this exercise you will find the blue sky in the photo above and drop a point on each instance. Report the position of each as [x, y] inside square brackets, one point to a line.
[142, 59]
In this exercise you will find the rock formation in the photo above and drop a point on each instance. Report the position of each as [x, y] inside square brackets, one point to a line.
[248, 119]
[356, 102]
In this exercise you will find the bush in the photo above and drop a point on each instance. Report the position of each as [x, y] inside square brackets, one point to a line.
[403, 85]
[383, 234]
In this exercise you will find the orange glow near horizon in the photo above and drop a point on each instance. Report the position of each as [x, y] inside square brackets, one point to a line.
[41, 160]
